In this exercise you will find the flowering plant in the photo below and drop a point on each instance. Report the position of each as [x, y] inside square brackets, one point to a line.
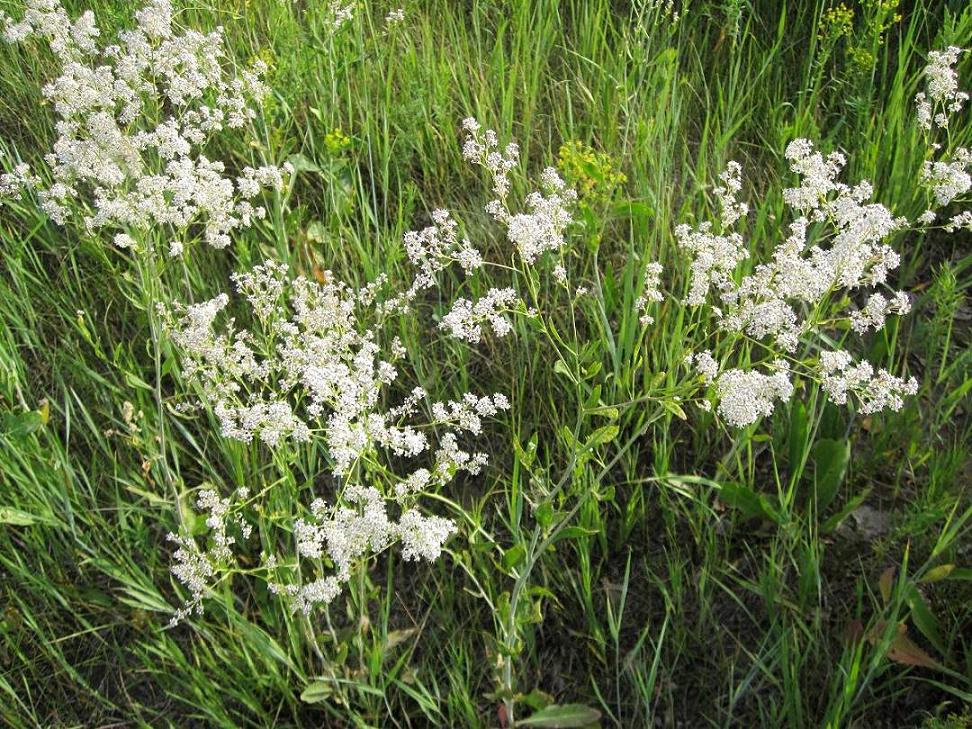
[313, 370]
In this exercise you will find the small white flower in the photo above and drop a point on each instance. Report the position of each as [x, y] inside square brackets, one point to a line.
[650, 292]
[466, 318]
[123, 241]
[744, 397]
[127, 164]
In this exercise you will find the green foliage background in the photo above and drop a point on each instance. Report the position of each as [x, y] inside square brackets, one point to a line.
[715, 578]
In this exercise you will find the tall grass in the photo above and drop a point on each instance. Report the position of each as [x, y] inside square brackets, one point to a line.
[667, 600]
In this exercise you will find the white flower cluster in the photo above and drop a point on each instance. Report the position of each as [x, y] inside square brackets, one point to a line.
[650, 292]
[943, 97]
[951, 176]
[877, 309]
[482, 148]
[133, 119]
[20, 178]
[745, 396]
[547, 211]
[704, 363]
[468, 414]
[434, 248]
[715, 257]
[732, 209]
[466, 319]
[340, 13]
[960, 221]
[395, 17]
[195, 567]
[348, 533]
[783, 301]
[542, 228]
[312, 367]
[874, 392]
[312, 352]
[946, 180]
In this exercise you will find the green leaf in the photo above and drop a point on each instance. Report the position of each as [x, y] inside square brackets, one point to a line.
[925, 620]
[830, 459]
[560, 367]
[961, 573]
[568, 435]
[316, 692]
[798, 433]
[134, 381]
[316, 232]
[835, 521]
[16, 517]
[611, 413]
[563, 716]
[513, 557]
[753, 505]
[573, 532]
[302, 163]
[536, 699]
[544, 514]
[19, 425]
[604, 434]
[629, 208]
[674, 408]
[938, 573]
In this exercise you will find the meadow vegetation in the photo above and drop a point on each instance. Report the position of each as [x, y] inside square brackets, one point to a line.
[486, 363]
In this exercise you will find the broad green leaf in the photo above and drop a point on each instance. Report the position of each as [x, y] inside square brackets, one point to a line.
[16, 517]
[563, 716]
[514, 556]
[604, 434]
[750, 503]
[536, 699]
[302, 163]
[925, 620]
[316, 232]
[18, 425]
[560, 367]
[960, 573]
[134, 381]
[568, 435]
[611, 413]
[674, 408]
[830, 458]
[316, 692]
[798, 433]
[544, 514]
[938, 573]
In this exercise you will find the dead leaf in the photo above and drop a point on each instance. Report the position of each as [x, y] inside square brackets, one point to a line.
[886, 583]
[903, 649]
